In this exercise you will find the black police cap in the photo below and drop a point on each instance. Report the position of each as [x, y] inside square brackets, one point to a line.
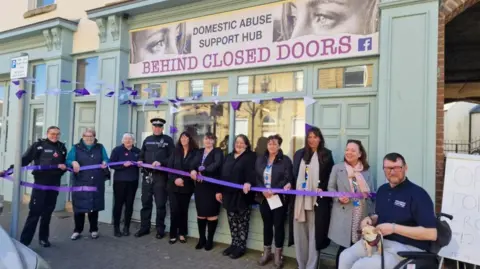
[157, 122]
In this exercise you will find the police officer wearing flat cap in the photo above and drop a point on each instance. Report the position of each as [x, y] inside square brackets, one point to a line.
[48, 153]
[156, 150]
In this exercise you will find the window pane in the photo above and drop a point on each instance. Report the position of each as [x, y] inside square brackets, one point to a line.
[41, 3]
[3, 91]
[152, 90]
[269, 83]
[87, 75]
[37, 128]
[144, 127]
[199, 119]
[346, 77]
[204, 87]
[258, 121]
[39, 86]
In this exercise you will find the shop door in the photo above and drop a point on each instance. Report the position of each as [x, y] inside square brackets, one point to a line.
[341, 119]
[4, 85]
[85, 115]
[142, 128]
[35, 132]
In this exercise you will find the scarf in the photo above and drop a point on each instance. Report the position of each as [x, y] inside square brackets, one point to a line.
[355, 172]
[307, 203]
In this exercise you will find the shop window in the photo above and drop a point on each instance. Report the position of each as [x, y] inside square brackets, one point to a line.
[42, 3]
[87, 75]
[151, 90]
[198, 119]
[271, 83]
[345, 77]
[204, 87]
[258, 121]
[39, 86]
[37, 126]
[3, 93]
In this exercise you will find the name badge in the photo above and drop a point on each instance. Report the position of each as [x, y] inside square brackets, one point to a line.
[400, 203]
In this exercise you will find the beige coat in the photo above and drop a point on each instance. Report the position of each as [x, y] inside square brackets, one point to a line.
[340, 230]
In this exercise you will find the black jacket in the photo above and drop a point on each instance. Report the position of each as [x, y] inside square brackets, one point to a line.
[157, 148]
[46, 152]
[183, 163]
[324, 205]
[122, 154]
[281, 170]
[213, 167]
[238, 170]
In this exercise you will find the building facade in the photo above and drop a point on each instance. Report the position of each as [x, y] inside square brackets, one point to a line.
[377, 84]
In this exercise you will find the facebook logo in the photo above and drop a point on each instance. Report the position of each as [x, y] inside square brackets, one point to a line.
[365, 44]
[14, 64]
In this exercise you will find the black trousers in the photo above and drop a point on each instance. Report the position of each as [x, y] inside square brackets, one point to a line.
[179, 203]
[42, 204]
[157, 189]
[80, 221]
[239, 225]
[273, 219]
[124, 194]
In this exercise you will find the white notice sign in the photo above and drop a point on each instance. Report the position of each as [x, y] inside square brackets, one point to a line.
[461, 198]
[19, 67]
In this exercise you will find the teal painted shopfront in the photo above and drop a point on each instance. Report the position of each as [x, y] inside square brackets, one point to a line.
[385, 99]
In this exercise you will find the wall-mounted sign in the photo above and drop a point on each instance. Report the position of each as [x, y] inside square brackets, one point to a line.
[19, 67]
[274, 34]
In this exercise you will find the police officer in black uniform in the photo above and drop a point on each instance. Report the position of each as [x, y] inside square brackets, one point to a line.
[156, 150]
[52, 154]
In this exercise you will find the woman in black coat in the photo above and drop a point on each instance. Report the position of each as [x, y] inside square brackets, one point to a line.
[88, 152]
[238, 167]
[314, 149]
[273, 170]
[180, 189]
[208, 162]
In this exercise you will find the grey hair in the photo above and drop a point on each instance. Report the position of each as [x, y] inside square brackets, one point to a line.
[125, 135]
[90, 130]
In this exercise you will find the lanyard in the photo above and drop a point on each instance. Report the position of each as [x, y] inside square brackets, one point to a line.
[268, 176]
[304, 184]
[201, 168]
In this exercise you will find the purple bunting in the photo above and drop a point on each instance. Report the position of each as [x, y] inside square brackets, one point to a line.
[129, 88]
[235, 105]
[128, 102]
[134, 104]
[109, 94]
[20, 93]
[81, 91]
[308, 127]
[180, 99]
[156, 103]
[123, 85]
[65, 81]
[278, 100]
[173, 101]
[134, 93]
[173, 130]
[16, 82]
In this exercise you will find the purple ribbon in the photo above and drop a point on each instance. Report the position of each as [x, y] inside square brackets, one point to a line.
[181, 173]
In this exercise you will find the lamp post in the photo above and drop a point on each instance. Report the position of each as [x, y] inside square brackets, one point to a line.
[16, 195]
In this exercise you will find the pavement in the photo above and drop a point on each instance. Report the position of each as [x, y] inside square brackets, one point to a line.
[129, 252]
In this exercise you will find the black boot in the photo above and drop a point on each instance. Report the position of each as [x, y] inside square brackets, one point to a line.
[116, 232]
[45, 243]
[126, 231]
[202, 225]
[142, 232]
[212, 227]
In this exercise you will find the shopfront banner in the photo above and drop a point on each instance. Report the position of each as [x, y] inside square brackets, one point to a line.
[269, 35]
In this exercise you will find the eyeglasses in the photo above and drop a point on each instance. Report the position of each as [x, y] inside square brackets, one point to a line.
[395, 168]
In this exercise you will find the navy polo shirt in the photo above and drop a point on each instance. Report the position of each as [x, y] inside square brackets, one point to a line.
[406, 204]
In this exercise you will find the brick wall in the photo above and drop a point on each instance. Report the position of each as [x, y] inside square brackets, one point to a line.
[448, 11]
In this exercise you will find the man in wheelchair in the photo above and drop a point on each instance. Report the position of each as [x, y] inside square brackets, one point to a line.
[405, 217]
